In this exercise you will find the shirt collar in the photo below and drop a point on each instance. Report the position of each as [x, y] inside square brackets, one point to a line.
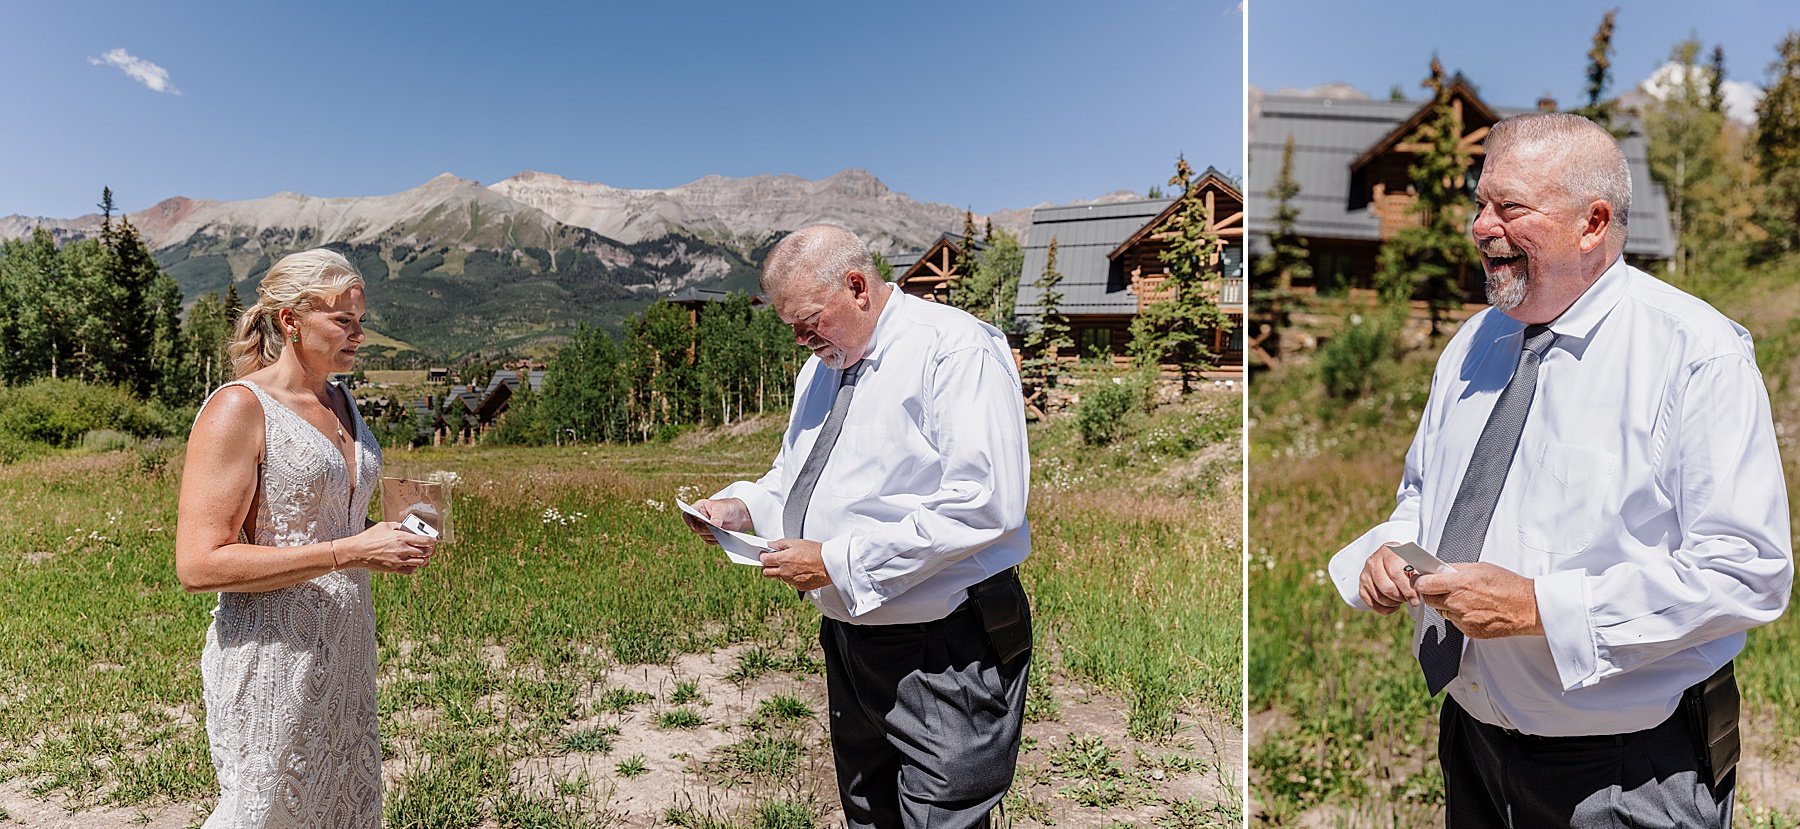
[886, 323]
[1581, 318]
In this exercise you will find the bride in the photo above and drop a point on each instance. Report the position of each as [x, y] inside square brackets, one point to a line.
[273, 518]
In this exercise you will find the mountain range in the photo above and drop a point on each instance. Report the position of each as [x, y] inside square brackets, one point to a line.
[456, 267]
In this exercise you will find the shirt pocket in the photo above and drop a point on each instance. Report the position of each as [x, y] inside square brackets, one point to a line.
[861, 461]
[1565, 497]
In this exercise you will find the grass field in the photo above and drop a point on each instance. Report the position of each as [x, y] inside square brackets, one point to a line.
[578, 659]
[1342, 732]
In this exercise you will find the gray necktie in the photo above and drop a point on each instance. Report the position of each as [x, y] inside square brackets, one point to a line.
[1440, 643]
[793, 514]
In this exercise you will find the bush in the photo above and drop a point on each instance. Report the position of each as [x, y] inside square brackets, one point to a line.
[1350, 363]
[60, 412]
[1105, 401]
[107, 440]
[155, 455]
[14, 449]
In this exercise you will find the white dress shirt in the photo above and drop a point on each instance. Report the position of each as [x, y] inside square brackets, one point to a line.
[924, 493]
[1645, 501]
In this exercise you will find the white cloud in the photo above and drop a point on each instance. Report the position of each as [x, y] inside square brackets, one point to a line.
[140, 70]
[1740, 98]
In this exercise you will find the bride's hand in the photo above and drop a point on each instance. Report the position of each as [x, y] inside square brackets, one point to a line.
[386, 547]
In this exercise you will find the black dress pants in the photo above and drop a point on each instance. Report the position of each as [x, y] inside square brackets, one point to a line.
[925, 722]
[1496, 779]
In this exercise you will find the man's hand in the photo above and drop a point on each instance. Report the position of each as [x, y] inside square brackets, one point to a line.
[797, 562]
[1485, 601]
[730, 513]
[1385, 585]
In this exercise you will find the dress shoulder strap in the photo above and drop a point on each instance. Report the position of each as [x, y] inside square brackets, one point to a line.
[261, 397]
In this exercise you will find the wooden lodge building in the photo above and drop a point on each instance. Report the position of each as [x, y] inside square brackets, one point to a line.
[465, 412]
[1351, 158]
[1107, 254]
[933, 272]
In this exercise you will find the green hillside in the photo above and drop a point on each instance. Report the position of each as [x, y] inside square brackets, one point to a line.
[450, 300]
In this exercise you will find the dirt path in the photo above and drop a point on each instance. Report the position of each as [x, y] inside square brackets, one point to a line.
[1080, 770]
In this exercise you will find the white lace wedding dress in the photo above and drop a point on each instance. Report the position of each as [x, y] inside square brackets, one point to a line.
[290, 673]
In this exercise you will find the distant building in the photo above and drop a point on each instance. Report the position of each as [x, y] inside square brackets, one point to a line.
[1108, 256]
[1351, 159]
[693, 299]
[933, 273]
[465, 412]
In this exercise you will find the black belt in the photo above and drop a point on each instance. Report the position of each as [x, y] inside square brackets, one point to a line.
[1595, 740]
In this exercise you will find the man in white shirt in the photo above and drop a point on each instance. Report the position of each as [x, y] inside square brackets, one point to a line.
[1597, 462]
[899, 495]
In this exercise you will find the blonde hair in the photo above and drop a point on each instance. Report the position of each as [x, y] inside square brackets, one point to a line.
[299, 281]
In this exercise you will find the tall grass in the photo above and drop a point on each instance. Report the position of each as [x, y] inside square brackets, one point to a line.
[571, 567]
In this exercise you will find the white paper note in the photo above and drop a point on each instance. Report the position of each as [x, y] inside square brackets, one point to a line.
[741, 548]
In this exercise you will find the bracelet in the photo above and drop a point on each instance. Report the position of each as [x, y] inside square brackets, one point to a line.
[334, 561]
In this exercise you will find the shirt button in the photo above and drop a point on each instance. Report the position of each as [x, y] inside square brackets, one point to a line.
[1475, 686]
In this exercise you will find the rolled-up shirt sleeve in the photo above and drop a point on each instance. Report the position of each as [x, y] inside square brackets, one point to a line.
[975, 417]
[1734, 568]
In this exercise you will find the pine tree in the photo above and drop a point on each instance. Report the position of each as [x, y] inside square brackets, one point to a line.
[126, 354]
[232, 307]
[1178, 329]
[1715, 89]
[1777, 148]
[970, 292]
[1045, 344]
[175, 382]
[1286, 262]
[1599, 74]
[1429, 258]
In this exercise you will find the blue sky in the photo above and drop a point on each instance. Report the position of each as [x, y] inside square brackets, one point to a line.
[1514, 52]
[987, 105]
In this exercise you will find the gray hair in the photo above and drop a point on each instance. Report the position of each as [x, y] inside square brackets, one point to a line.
[823, 252]
[1593, 166]
[299, 281]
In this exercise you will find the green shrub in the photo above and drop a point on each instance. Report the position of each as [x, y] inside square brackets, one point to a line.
[155, 455]
[107, 440]
[1350, 363]
[14, 449]
[1104, 404]
[60, 412]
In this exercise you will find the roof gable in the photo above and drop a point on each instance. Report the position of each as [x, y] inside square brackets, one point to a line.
[1469, 110]
[1218, 193]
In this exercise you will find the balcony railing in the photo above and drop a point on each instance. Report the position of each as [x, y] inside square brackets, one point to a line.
[1231, 293]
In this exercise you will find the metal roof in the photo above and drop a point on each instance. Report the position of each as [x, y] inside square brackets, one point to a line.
[900, 262]
[1084, 234]
[1330, 133]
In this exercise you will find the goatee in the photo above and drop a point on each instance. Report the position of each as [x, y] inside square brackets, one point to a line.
[1507, 292]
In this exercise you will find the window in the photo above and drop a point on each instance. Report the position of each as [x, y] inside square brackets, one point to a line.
[1094, 343]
